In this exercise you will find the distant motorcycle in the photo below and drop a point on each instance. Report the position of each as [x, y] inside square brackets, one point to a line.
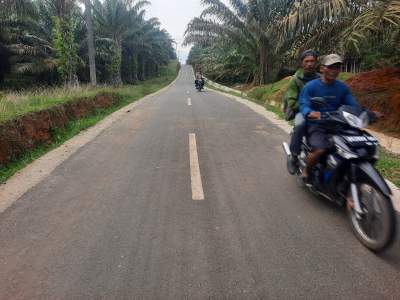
[346, 176]
[199, 83]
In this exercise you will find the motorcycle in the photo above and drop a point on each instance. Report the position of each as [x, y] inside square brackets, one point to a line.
[199, 84]
[346, 175]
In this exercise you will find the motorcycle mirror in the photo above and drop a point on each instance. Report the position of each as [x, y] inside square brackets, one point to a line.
[364, 119]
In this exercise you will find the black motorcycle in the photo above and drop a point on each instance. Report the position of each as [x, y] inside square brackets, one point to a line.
[346, 175]
[199, 83]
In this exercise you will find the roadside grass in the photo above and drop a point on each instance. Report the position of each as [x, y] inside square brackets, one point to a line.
[17, 103]
[127, 94]
[267, 92]
[388, 164]
[276, 110]
[14, 104]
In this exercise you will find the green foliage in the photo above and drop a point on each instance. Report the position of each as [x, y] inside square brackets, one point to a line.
[114, 67]
[380, 50]
[44, 42]
[222, 63]
[389, 166]
[66, 48]
[247, 29]
[14, 104]
[126, 37]
[270, 92]
[263, 37]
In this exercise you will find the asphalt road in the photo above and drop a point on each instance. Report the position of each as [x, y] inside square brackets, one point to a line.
[117, 220]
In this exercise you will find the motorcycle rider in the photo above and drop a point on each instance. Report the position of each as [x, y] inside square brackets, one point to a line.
[336, 94]
[303, 75]
[199, 79]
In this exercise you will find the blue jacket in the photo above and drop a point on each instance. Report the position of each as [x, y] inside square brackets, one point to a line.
[336, 95]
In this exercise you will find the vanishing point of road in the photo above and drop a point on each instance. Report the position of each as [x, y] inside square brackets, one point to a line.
[184, 197]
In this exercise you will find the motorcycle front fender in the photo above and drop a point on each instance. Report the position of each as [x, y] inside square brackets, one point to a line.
[365, 172]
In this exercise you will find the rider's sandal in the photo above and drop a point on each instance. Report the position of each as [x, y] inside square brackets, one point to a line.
[306, 180]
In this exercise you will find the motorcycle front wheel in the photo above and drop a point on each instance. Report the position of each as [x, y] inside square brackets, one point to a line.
[376, 228]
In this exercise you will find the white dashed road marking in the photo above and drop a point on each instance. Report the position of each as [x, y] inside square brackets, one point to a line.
[195, 176]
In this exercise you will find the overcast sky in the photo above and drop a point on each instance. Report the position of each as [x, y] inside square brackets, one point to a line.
[174, 15]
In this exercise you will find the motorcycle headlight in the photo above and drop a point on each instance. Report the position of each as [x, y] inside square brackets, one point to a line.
[352, 119]
[355, 121]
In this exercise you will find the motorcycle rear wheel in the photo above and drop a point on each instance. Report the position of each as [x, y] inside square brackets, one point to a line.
[376, 229]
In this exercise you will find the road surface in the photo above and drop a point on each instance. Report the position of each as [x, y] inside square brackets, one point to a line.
[184, 197]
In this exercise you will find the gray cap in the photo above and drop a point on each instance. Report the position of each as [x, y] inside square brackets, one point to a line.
[308, 53]
[331, 59]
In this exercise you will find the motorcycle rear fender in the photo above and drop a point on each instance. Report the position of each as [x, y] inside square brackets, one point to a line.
[365, 172]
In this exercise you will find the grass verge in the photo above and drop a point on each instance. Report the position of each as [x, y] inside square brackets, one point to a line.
[14, 104]
[127, 94]
[389, 166]
[270, 92]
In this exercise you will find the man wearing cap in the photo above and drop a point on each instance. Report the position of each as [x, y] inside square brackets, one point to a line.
[335, 93]
[302, 76]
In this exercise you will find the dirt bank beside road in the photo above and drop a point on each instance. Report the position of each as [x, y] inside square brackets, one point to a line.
[34, 129]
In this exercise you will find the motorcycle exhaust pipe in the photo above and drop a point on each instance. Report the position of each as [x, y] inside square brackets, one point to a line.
[286, 148]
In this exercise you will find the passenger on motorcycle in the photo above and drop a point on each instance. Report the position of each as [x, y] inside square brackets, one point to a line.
[199, 79]
[336, 94]
[302, 76]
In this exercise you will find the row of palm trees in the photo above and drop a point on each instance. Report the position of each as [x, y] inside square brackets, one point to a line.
[56, 41]
[253, 39]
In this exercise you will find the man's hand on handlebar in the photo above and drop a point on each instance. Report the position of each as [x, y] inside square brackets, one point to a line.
[374, 116]
[314, 115]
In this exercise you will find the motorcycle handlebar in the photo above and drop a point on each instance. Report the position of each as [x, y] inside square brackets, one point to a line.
[329, 116]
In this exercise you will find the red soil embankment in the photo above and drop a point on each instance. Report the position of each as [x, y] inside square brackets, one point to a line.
[379, 90]
[34, 129]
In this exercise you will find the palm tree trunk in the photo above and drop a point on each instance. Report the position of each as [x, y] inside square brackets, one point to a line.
[143, 70]
[135, 68]
[116, 63]
[263, 61]
[139, 68]
[91, 50]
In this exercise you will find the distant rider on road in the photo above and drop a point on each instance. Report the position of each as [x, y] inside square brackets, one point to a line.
[199, 79]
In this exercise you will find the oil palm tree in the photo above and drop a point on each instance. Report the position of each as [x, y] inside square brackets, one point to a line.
[374, 19]
[114, 19]
[146, 48]
[12, 16]
[338, 24]
[248, 25]
[90, 42]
